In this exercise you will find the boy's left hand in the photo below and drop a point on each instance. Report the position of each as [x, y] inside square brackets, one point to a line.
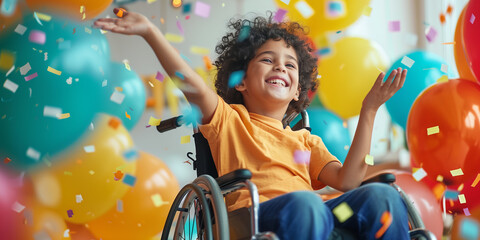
[382, 91]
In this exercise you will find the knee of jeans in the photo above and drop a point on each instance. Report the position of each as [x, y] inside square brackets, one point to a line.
[305, 200]
[382, 192]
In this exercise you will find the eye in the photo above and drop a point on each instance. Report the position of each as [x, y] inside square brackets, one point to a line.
[290, 65]
[266, 60]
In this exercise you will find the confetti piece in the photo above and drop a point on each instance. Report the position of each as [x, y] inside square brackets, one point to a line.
[443, 78]
[461, 198]
[118, 175]
[157, 200]
[180, 28]
[89, 148]
[192, 115]
[343, 212]
[63, 116]
[37, 36]
[433, 130]
[130, 155]
[185, 58]
[456, 172]
[444, 68]
[127, 65]
[207, 62]
[466, 212]
[449, 9]
[235, 78]
[88, 30]
[25, 68]
[449, 43]
[286, 1]
[54, 71]
[44, 17]
[18, 207]
[70, 213]
[386, 220]
[32, 153]
[301, 157]
[78, 198]
[279, 15]
[128, 116]
[151, 1]
[244, 33]
[304, 9]
[8, 7]
[153, 121]
[7, 59]
[369, 160]
[407, 61]
[439, 190]
[335, 8]
[129, 180]
[6, 160]
[10, 85]
[66, 233]
[199, 50]
[469, 229]
[67, 173]
[394, 26]
[179, 75]
[82, 9]
[119, 89]
[476, 180]
[117, 97]
[30, 77]
[173, 38]
[104, 82]
[114, 122]
[20, 29]
[442, 18]
[439, 178]
[121, 12]
[472, 18]
[367, 11]
[185, 139]
[49, 111]
[460, 188]
[186, 8]
[202, 9]
[419, 174]
[430, 33]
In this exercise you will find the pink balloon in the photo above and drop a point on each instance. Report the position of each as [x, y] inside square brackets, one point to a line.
[9, 228]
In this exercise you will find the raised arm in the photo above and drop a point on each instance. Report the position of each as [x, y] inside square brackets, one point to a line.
[352, 173]
[191, 84]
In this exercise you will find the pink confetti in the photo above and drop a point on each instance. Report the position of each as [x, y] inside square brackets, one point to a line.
[279, 15]
[431, 34]
[159, 76]
[301, 157]
[472, 18]
[30, 77]
[466, 211]
[394, 26]
[202, 9]
[37, 36]
[180, 28]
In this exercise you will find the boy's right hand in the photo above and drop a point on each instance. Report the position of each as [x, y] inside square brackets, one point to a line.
[130, 24]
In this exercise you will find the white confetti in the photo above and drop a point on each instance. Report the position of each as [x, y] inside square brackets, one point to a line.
[304, 9]
[117, 97]
[32, 153]
[419, 174]
[89, 148]
[17, 207]
[20, 29]
[25, 68]
[407, 61]
[10, 86]
[78, 198]
[49, 111]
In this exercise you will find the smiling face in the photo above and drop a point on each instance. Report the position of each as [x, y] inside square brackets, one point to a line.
[271, 79]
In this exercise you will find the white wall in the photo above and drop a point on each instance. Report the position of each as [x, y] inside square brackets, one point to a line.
[414, 16]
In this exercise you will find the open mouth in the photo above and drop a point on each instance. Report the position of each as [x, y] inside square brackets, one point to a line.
[277, 81]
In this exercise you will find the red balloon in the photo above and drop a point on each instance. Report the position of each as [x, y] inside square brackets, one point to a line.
[453, 109]
[472, 198]
[463, 66]
[471, 35]
[424, 200]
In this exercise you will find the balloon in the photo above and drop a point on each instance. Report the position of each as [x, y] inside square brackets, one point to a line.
[74, 9]
[86, 182]
[348, 74]
[128, 84]
[451, 108]
[472, 198]
[53, 88]
[330, 128]
[10, 224]
[145, 206]
[327, 15]
[423, 73]
[10, 12]
[80, 232]
[466, 227]
[471, 36]
[461, 59]
[423, 200]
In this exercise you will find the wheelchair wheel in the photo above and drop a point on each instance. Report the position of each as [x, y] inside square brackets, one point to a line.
[214, 194]
[192, 213]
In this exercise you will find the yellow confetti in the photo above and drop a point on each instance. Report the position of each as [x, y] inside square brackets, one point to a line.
[44, 17]
[119, 89]
[103, 31]
[346, 147]
[433, 130]
[151, 1]
[128, 116]
[64, 115]
[91, 172]
[199, 50]
[185, 139]
[461, 198]
[342, 212]
[127, 65]
[67, 173]
[83, 16]
[443, 78]
[82, 9]
[456, 172]
[439, 178]
[154, 122]
[367, 11]
[162, 20]
[6, 60]
[460, 188]
[448, 43]
[88, 30]
[173, 38]
[157, 200]
[369, 160]
[54, 71]
[476, 180]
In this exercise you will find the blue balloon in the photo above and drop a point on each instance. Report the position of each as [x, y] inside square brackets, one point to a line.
[425, 72]
[328, 126]
[54, 89]
[127, 85]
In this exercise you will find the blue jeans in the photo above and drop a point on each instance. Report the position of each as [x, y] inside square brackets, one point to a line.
[304, 215]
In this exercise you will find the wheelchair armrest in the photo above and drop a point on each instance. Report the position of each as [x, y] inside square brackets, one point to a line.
[388, 178]
[237, 176]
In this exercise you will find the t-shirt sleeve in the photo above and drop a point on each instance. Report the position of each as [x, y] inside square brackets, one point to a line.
[211, 129]
[320, 157]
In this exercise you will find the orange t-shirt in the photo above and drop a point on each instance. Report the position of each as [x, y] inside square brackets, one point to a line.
[277, 157]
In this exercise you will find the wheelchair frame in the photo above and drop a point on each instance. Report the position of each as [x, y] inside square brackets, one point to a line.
[208, 190]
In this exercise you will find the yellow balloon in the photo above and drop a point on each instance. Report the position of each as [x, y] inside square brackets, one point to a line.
[325, 15]
[348, 74]
[81, 185]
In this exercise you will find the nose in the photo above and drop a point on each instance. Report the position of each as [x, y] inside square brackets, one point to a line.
[280, 67]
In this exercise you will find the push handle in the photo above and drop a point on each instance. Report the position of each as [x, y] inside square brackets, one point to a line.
[170, 124]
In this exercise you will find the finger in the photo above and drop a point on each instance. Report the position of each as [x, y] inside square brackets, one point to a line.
[379, 80]
[397, 78]
[105, 20]
[389, 80]
[402, 80]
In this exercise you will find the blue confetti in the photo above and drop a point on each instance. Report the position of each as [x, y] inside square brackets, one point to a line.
[129, 180]
[186, 58]
[186, 8]
[235, 78]
[244, 33]
[180, 75]
[192, 115]
[131, 155]
[469, 229]
[8, 7]
[451, 194]
[324, 51]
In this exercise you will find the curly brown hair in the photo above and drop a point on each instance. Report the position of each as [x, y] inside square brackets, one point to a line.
[238, 47]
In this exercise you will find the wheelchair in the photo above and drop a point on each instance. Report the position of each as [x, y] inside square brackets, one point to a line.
[199, 210]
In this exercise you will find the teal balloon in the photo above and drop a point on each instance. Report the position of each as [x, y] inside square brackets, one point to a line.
[328, 126]
[425, 72]
[59, 67]
[127, 85]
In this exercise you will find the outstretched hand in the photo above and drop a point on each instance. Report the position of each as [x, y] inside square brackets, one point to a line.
[130, 24]
[382, 91]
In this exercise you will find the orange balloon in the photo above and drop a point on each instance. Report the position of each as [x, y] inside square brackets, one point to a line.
[443, 130]
[80, 232]
[459, 51]
[424, 201]
[145, 206]
[74, 9]
[7, 21]
[466, 227]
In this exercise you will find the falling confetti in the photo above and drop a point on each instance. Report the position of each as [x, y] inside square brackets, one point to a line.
[235, 78]
[386, 220]
[343, 212]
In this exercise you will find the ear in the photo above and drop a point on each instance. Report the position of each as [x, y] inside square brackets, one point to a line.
[297, 95]
[240, 87]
